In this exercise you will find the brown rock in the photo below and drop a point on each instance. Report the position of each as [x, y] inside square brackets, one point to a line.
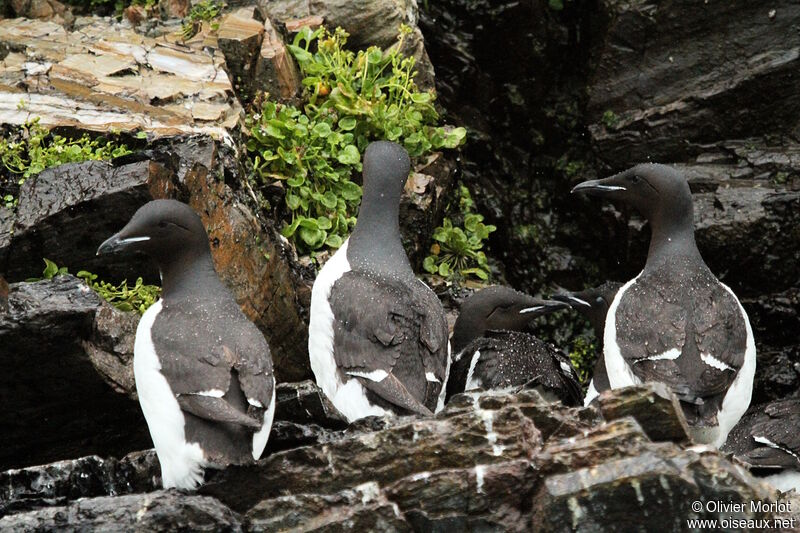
[275, 70]
[174, 8]
[3, 295]
[239, 37]
[654, 407]
[311, 21]
[135, 14]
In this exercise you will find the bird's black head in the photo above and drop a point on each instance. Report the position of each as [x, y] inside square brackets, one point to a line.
[497, 308]
[163, 229]
[592, 303]
[656, 191]
[386, 168]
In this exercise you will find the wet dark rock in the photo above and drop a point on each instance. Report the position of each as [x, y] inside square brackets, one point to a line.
[3, 295]
[155, 511]
[56, 404]
[305, 403]
[652, 491]
[65, 212]
[483, 435]
[658, 94]
[110, 347]
[653, 406]
[287, 435]
[363, 508]
[57, 483]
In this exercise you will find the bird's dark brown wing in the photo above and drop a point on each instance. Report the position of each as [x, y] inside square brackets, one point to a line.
[391, 335]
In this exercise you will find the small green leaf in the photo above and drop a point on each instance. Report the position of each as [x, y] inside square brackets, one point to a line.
[322, 129]
[347, 123]
[444, 270]
[429, 264]
[349, 156]
[351, 191]
[324, 223]
[334, 241]
[50, 269]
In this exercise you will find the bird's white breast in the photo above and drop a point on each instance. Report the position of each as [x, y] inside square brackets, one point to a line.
[348, 397]
[261, 436]
[181, 462]
[619, 373]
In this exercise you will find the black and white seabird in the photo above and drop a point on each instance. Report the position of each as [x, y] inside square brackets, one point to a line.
[675, 322]
[767, 438]
[491, 349]
[203, 370]
[593, 304]
[377, 335]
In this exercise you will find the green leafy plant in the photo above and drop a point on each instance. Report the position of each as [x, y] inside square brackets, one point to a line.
[610, 119]
[457, 252]
[583, 356]
[352, 98]
[204, 11]
[124, 297]
[31, 148]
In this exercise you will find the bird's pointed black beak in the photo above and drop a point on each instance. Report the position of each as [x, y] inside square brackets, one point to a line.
[542, 307]
[117, 242]
[605, 187]
[572, 301]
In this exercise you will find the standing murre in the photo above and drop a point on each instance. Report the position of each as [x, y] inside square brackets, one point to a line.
[203, 371]
[593, 304]
[767, 439]
[675, 322]
[492, 351]
[377, 336]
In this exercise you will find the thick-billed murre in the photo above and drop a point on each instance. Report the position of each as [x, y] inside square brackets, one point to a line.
[377, 335]
[491, 349]
[203, 371]
[593, 304]
[675, 322]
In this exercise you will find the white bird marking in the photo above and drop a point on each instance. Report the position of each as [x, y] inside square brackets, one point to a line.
[134, 239]
[579, 301]
[531, 309]
[710, 360]
[610, 187]
[261, 437]
[430, 377]
[376, 375]
[213, 393]
[669, 355]
[565, 367]
[591, 394]
[619, 372]
[254, 402]
[473, 383]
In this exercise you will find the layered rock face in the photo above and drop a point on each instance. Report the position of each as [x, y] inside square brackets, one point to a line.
[491, 461]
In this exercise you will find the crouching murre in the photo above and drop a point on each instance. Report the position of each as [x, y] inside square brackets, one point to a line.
[377, 337]
[492, 350]
[203, 371]
[675, 322]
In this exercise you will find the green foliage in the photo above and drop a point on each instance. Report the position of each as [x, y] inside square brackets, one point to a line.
[204, 11]
[32, 148]
[610, 119]
[556, 5]
[457, 251]
[351, 99]
[124, 297]
[583, 356]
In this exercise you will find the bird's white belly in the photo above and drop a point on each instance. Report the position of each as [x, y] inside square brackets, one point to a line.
[619, 372]
[348, 397]
[261, 437]
[181, 462]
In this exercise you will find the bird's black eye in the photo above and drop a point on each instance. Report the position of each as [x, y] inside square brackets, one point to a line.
[634, 178]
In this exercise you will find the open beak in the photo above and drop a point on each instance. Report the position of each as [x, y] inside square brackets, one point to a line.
[572, 301]
[116, 243]
[543, 307]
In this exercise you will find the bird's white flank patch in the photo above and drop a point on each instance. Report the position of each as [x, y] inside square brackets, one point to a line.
[669, 355]
[473, 383]
[619, 372]
[531, 309]
[565, 367]
[376, 375]
[443, 392]
[710, 360]
[430, 377]
[591, 394]
[214, 393]
[254, 402]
